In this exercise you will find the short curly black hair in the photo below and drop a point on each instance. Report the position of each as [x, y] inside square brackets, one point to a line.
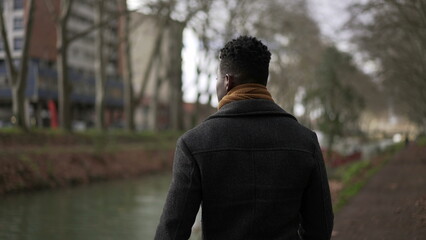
[248, 57]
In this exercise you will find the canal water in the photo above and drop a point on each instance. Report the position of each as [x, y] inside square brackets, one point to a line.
[115, 210]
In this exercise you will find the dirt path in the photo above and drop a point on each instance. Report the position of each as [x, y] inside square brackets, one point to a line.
[392, 205]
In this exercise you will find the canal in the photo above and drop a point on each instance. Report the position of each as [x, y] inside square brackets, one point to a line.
[115, 210]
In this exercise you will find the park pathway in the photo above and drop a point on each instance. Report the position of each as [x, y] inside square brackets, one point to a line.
[392, 205]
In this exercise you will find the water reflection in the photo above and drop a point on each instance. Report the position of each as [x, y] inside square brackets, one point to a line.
[128, 209]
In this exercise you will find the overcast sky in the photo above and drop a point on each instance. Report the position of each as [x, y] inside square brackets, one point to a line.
[331, 15]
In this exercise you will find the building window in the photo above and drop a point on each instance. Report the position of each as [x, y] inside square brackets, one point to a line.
[18, 4]
[17, 43]
[18, 23]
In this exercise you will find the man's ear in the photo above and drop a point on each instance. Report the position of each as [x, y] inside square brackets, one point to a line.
[229, 82]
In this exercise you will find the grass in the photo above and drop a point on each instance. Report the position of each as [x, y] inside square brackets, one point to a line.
[421, 140]
[92, 134]
[355, 175]
[353, 181]
[45, 140]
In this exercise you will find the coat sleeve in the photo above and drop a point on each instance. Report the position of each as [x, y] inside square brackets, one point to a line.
[316, 209]
[183, 199]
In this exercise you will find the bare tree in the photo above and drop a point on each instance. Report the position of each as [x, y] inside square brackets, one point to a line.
[64, 86]
[338, 103]
[62, 43]
[61, 18]
[127, 66]
[192, 10]
[174, 76]
[202, 27]
[392, 35]
[159, 78]
[165, 12]
[100, 67]
[18, 78]
[286, 26]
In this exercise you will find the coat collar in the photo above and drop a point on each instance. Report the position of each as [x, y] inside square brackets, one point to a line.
[250, 107]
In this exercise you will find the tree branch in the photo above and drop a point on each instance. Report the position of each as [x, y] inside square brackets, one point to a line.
[51, 9]
[99, 25]
[155, 53]
[9, 59]
[65, 11]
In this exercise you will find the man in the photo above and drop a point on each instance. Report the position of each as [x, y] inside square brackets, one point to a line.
[257, 172]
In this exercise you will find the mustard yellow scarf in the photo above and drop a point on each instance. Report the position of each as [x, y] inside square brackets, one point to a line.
[245, 91]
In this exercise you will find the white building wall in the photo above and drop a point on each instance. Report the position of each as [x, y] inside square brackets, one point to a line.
[10, 14]
[142, 41]
[82, 55]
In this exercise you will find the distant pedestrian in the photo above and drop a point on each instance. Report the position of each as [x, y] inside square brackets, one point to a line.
[257, 172]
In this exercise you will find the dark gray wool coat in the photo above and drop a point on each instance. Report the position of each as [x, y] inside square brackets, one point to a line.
[257, 173]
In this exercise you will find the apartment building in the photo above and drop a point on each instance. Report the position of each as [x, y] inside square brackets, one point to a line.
[42, 78]
[14, 15]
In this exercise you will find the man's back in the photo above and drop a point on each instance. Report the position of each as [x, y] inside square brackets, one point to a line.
[258, 173]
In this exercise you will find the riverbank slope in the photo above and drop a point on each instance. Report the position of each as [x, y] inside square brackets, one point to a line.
[40, 160]
[392, 205]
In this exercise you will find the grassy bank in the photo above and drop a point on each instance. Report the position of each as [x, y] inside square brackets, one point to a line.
[352, 177]
[421, 140]
[16, 137]
[52, 159]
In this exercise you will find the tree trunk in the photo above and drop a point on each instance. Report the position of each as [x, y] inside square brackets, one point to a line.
[127, 72]
[11, 71]
[175, 80]
[179, 98]
[100, 69]
[23, 73]
[64, 87]
[63, 84]
[154, 109]
[18, 80]
[155, 96]
[18, 107]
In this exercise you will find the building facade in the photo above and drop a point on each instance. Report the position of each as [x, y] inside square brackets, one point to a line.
[156, 44]
[42, 90]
